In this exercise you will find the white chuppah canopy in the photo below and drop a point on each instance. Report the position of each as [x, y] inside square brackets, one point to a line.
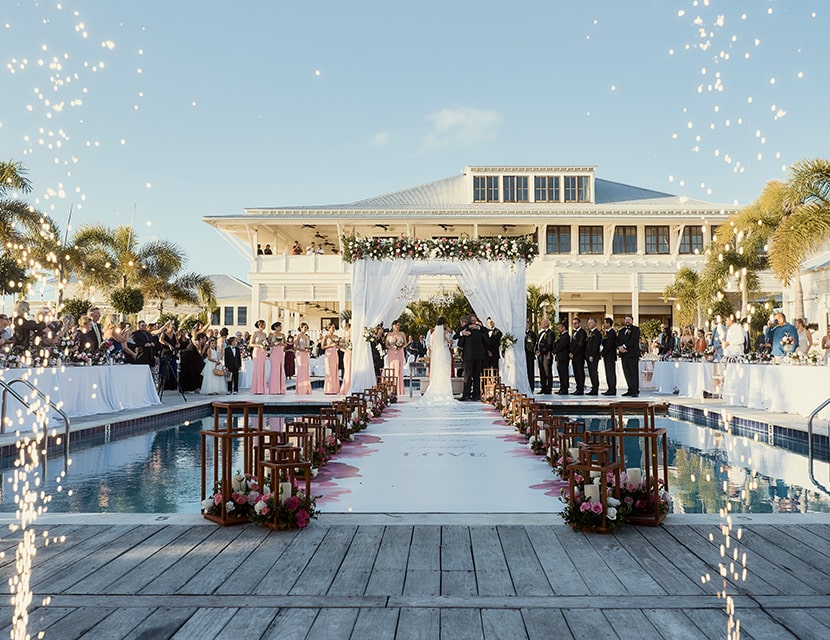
[495, 288]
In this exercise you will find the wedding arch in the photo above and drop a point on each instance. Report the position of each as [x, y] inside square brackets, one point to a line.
[490, 272]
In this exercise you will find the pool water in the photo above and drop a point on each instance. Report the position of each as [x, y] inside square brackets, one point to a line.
[159, 472]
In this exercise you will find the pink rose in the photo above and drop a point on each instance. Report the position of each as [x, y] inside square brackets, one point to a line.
[596, 507]
[629, 486]
[265, 510]
[302, 518]
[628, 500]
[585, 506]
[578, 479]
[240, 498]
[292, 503]
[217, 499]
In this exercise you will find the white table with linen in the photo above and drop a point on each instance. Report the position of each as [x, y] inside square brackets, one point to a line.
[691, 379]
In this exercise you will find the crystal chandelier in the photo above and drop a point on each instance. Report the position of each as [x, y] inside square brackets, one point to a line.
[442, 298]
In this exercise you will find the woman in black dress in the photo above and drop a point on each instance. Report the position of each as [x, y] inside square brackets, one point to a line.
[192, 363]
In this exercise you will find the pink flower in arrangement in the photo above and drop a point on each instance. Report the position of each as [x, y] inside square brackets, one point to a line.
[585, 506]
[253, 496]
[217, 499]
[640, 504]
[302, 518]
[265, 510]
[292, 503]
[240, 498]
[628, 500]
[253, 484]
[596, 507]
[578, 478]
[629, 486]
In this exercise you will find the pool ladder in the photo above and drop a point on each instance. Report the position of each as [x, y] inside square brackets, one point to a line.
[7, 390]
[810, 451]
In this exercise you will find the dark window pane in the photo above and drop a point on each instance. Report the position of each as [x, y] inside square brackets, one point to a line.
[558, 239]
[590, 240]
[228, 315]
[657, 240]
[242, 315]
[625, 240]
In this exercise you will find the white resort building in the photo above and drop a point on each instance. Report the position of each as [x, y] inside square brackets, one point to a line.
[605, 248]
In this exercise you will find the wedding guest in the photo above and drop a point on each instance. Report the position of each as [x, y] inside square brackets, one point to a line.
[805, 338]
[628, 342]
[290, 356]
[825, 344]
[268, 251]
[222, 342]
[144, 345]
[296, 249]
[561, 351]
[593, 342]
[25, 331]
[192, 364]
[734, 344]
[544, 356]
[276, 383]
[233, 363]
[82, 334]
[609, 357]
[777, 333]
[377, 345]
[577, 351]
[687, 340]
[494, 335]
[97, 331]
[5, 330]
[302, 345]
[168, 350]
[530, 354]
[259, 249]
[396, 342]
[346, 345]
[473, 343]
[328, 344]
[258, 345]
[700, 342]
[311, 249]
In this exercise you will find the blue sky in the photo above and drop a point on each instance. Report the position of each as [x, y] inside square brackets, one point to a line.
[205, 108]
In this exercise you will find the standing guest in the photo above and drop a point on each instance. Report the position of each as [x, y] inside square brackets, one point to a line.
[493, 344]
[82, 335]
[530, 354]
[376, 344]
[687, 340]
[609, 357]
[169, 347]
[302, 344]
[290, 357]
[700, 342]
[5, 330]
[329, 343]
[747, 342]
[718, 336]
[544, 356]
[825, 344]
[733, 346]
[396, 342]
[296, 249]
[628, 347]
[268, 251]
[25, 332]
[347, 359]
[311, 249]
[805, 338]
[258, 345]
[144, 345]
[577, 351]
[593, 342]
[97, 332]
[233, 363]
[473, 343]
[561, 350]
[777, 333]
[259, 249]
[276, 383]
[222, 342]
[191, 364]
[213, 384]
[665, 341]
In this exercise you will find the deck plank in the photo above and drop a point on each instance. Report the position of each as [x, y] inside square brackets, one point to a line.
[162, 624]
[492, 574]
[760, 625]
[812, 569]
[457, 568]
[461, 624]
[556, 561]
[674, 624]
[423, 569]
[356, 568]
[292, 561]
[634, 579]
[204, 624]
[657, 565]
[631, 624]
[808, 537]
[256, 565]
[375, 624]
[526, 570]
[290, 624]
[323, 566]
[419, 624]
[595, 627]
[593, 570]
[544, 624]
[39, 619]
[119, 623]
[333, 624]
[800, 623]
[249, 622]
[503, 624]
[389, 572]
[77, 623]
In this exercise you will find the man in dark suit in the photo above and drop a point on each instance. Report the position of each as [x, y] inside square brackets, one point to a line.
[493, 344]
[592, 345]
[144, 345]
[530, 354]
[577, 350]
[473, 343]
[95, 337]
[544, 355]
[628, 346]
[562, 352]
[378, 343]
[233, 363]
[609, 357]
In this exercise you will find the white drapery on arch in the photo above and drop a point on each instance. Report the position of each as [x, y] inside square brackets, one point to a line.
[497, 289]
[494, 288]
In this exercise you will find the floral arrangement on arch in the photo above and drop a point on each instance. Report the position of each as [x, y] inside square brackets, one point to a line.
[515, 248]
[587, 514]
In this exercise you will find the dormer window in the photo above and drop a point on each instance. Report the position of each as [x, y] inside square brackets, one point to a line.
[485, 188]
[577, 189]
[515, 188]
[547, 188]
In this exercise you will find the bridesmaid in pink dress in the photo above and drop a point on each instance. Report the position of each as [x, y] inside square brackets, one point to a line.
[259, 343]
[303, 360]
[329, 344]
[396, 342]
[276, 384]
[347, 359]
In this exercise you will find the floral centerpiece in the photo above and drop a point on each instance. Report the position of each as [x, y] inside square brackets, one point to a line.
[333, 445]
[639, 498]
[244, 494]
[559, 461]
[293, 512]
[586, 512]
[536, 445]
[787, 343]
[498, 248]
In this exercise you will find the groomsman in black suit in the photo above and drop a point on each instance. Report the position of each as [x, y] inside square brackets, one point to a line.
[96, 333]
[628, 346]
[233, 363]
[530, 354]
[592, 345]
[562, 352]
[544, 355]
[144, 345]
[577, 350]
[493, 344]
[609, 357]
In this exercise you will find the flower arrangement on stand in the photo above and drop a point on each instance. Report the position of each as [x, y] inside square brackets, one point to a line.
[244, 494]
[333, 445]
[357, 422]
[292, 512]
[559, 459]
[537, 445]
[638, 497]
[586, 511]
[464, 248]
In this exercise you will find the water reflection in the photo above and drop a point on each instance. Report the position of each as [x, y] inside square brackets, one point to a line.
[159, 472]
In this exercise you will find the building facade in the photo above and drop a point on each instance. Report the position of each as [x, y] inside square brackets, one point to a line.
[605, 248]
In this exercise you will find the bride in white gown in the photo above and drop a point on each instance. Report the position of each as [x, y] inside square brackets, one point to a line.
[439, 391]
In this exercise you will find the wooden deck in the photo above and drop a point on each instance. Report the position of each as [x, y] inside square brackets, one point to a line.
[354, 578]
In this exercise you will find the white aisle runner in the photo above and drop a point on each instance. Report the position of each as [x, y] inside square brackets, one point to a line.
[457, 459]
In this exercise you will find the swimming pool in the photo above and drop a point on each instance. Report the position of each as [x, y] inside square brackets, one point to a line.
[158, 471]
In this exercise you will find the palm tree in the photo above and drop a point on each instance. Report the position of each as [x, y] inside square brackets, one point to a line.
[536, 304]
[114, 254]
[15, 215]
[805, 223]
[689, 296]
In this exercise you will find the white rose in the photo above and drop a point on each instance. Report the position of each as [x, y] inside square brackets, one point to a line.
[238, 483]
[230, 506]
[259, 506]
[314, 472]
[207, 504]
[613, 502]
[612, 513]
[266, 490]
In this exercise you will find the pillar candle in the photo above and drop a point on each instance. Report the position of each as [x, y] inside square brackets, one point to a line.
[574, 453]
[635, 475]
[592, 492]
[285, 491]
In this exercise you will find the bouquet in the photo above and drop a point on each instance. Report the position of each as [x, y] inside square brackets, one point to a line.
[507, 341]
[787, 340]
[369, 334]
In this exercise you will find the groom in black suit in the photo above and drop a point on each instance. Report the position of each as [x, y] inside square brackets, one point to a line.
[233, 363]
[473, 343]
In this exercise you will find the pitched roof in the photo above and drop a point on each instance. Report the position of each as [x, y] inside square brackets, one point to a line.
[227, 286]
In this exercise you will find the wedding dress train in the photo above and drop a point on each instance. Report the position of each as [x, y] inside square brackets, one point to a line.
[439, 392]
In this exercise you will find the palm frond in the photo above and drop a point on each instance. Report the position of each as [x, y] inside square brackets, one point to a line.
[13, 177]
